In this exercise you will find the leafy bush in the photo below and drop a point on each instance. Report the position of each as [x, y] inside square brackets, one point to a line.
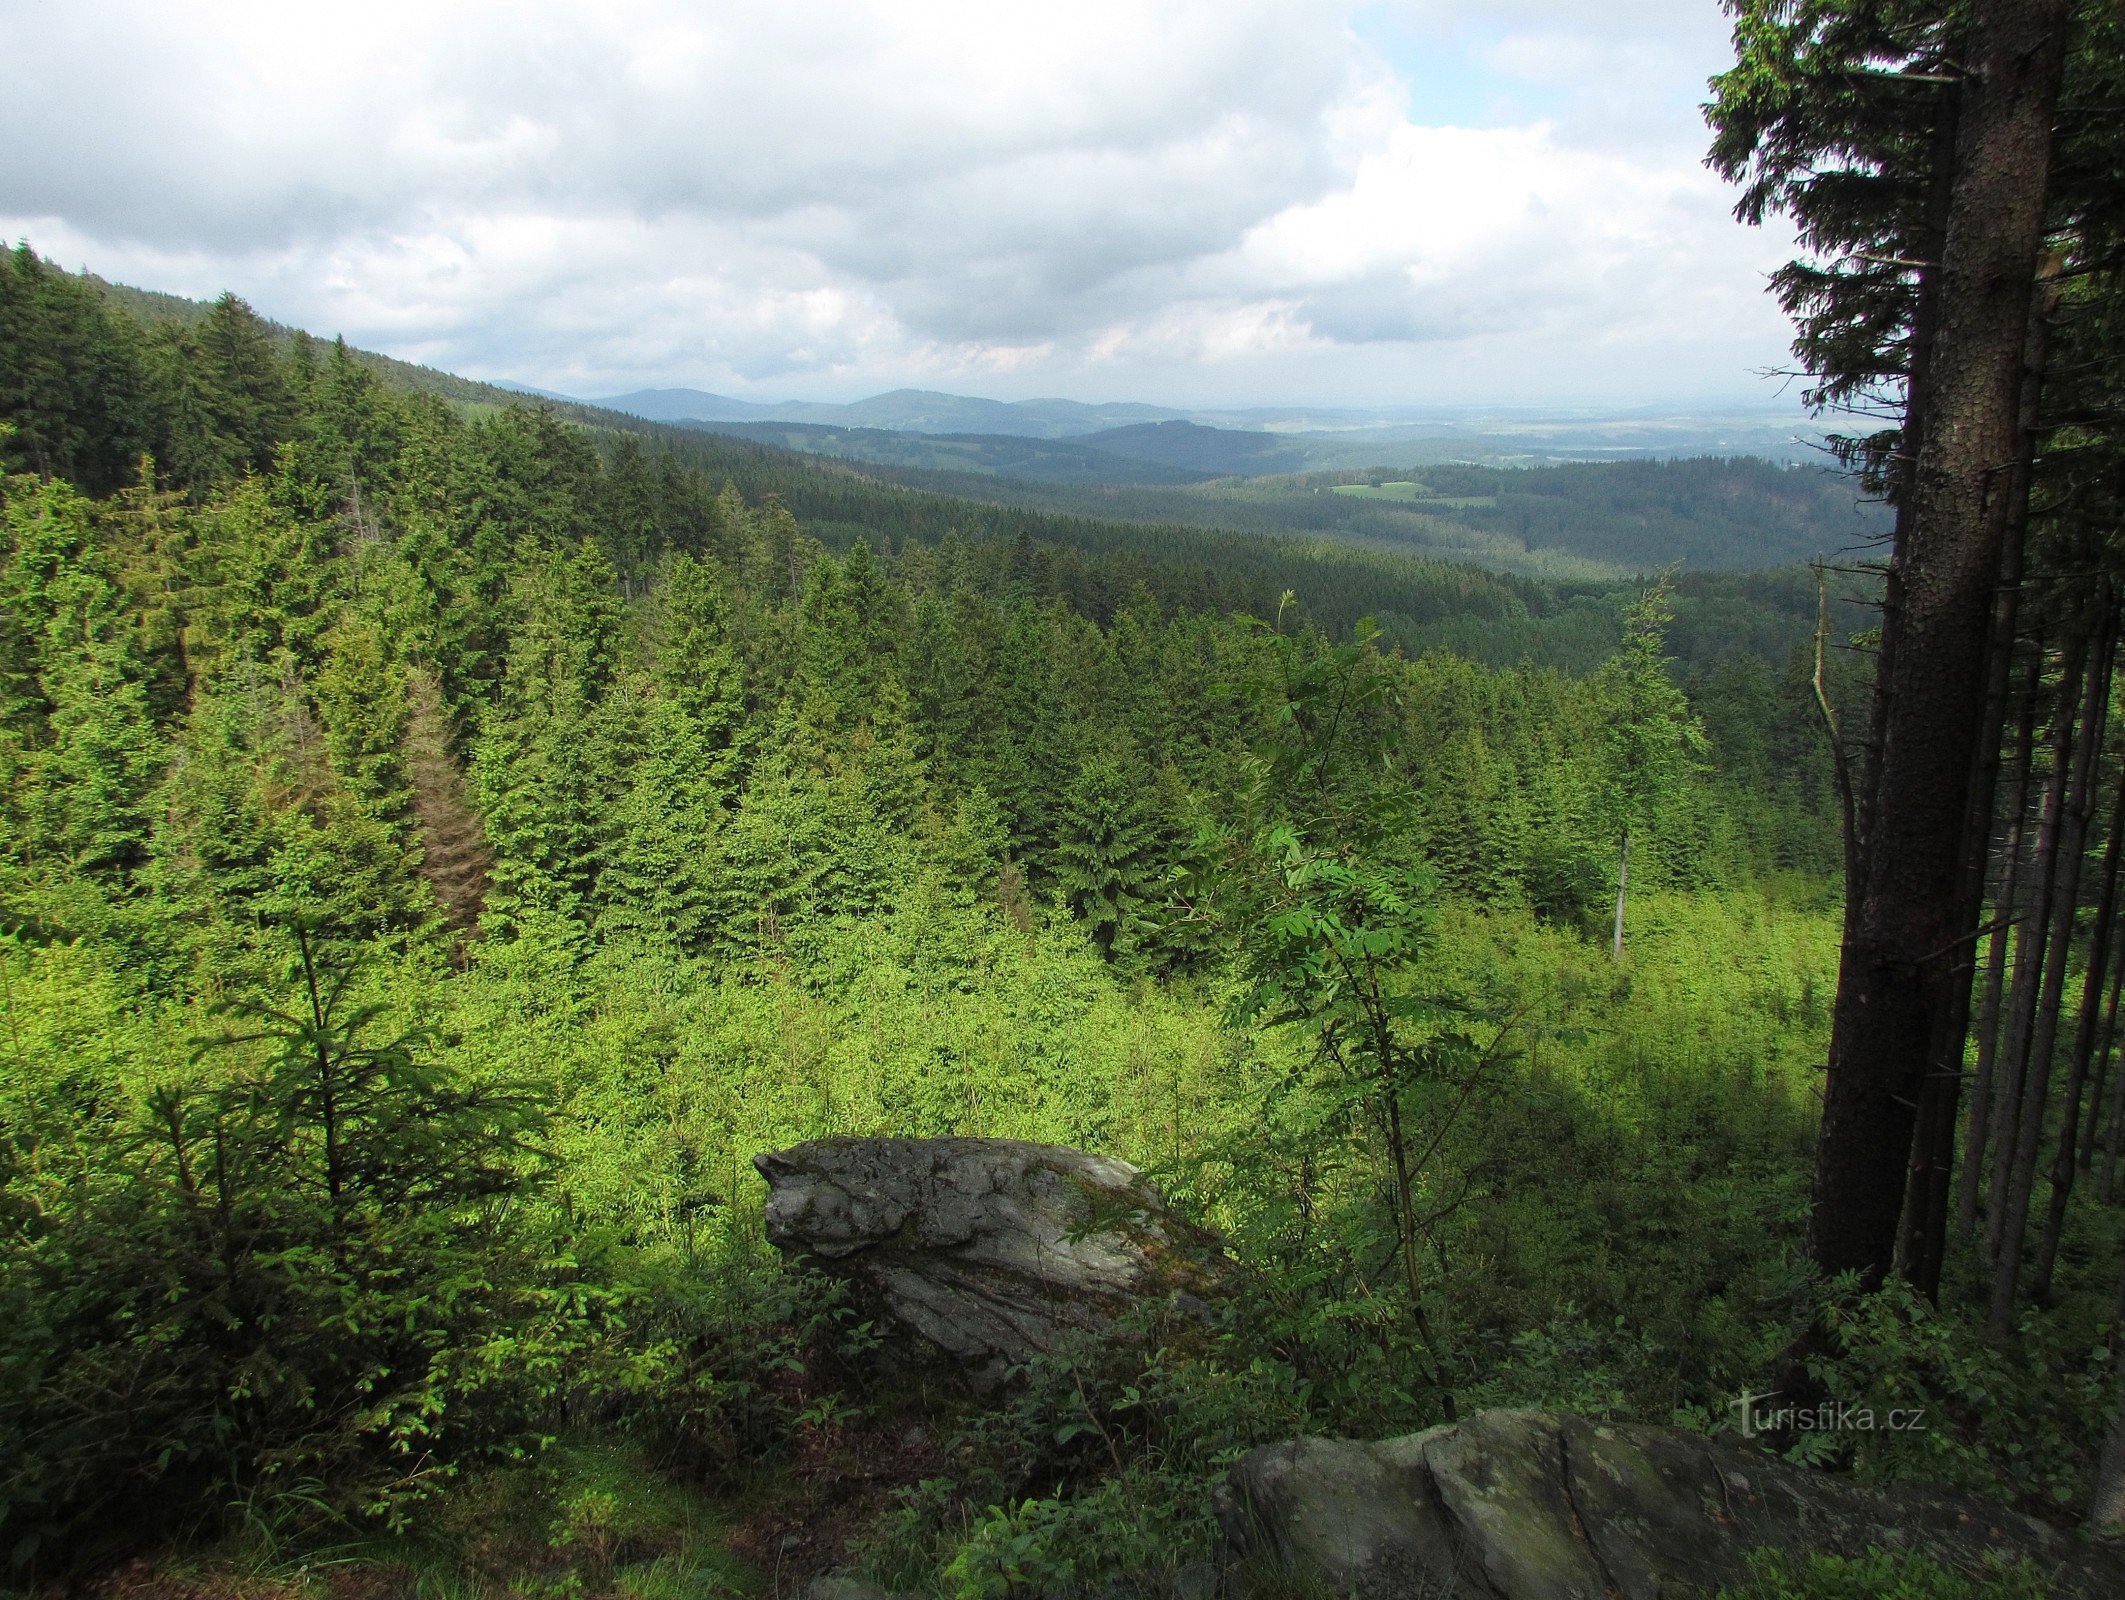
[2018, 1421]
[302, 1279]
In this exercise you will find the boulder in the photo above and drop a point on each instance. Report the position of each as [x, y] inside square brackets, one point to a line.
[843, 1586]
[1530, 1505]
[991, 1250]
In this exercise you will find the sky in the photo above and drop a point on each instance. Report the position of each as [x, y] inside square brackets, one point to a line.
[1235, 202]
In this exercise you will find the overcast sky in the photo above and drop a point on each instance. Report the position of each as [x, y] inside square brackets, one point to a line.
[1230, 202]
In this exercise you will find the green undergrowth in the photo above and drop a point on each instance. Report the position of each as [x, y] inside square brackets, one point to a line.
[589, 1519]
[1882, 1575]
[739, 1423]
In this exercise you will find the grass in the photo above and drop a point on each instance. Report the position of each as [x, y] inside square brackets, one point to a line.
[1383, 491]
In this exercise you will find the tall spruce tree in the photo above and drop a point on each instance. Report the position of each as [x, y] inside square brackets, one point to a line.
[1797, 119]
[1106, 860]
[1651, 733]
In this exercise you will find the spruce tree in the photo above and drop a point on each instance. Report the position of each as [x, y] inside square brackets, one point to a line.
[1652, 734]
[1106, 861]
[89, 750]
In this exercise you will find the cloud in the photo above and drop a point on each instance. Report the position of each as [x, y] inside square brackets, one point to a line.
[825, 196]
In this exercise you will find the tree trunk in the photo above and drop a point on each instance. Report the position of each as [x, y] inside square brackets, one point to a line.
[1623, 882]
[1903, 918]
[2079, 1161]
[2099, 1114]
[1924, 1245]
[2114, 1112]
[1925, 1241]
[2106, 1507]
[2106, 1511]
[1975, 1137]
[2064, 1164]
[2043, 1043]
[2031, 949]
[2113, 1140]
[1925, 320]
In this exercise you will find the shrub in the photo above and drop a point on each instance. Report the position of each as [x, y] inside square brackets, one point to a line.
[281, 1288]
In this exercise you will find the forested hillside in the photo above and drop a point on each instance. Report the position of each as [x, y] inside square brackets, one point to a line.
[1569, 522]
[1583, 521]
[444, 845]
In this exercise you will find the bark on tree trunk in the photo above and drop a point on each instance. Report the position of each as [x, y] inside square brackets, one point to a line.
[2031, 949]
[1925, 319]
[1925, 1242]
[2099, 1114]
[1623, 883]
[2064, 1165]
[1902, 923]
[1975, 1136]
[2113, 1141]
[2106, 1515]
[2036, 1087]
[1925, 1231]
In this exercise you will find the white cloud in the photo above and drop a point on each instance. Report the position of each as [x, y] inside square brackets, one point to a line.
[1237, 199]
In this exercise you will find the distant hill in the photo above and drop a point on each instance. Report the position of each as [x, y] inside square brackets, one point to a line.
[1569, 522]
[1311, 438]
[1212, 452]
[899, 411]
[684, 405]
[925, 411]
[1032, 460]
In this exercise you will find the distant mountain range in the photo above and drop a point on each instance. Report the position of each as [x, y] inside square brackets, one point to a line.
[1145, 453]
[900, 411]
[1181, 452]
[1203, 444]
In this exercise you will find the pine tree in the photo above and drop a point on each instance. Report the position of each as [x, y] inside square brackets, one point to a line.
[1652, 734]
[352, 435]
[662, 868]
[697, 662]
[1106, 860]
[1975, 184]
[969, 848]
[266, 571]
[631, 525]
[847, 639]
[92, 752]
[361, 694]
[73, 386]
[547, 766]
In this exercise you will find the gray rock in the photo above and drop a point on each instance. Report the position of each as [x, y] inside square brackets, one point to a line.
[992, 1250]
[838, 1586]
[1197, 1580]
[1529, 1505]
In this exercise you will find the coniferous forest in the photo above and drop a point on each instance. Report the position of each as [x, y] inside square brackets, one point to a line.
[445, 841]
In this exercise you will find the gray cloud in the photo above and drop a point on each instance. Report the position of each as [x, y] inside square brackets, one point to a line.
[830, 195]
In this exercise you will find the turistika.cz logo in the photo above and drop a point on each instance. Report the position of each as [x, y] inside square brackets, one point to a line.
[1829, 1416]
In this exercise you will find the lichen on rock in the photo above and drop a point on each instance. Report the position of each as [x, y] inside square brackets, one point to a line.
[1533, 1505]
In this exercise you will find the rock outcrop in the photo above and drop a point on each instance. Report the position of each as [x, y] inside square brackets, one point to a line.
[841, 1586]
[1529, 1505]
[991, 1250]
